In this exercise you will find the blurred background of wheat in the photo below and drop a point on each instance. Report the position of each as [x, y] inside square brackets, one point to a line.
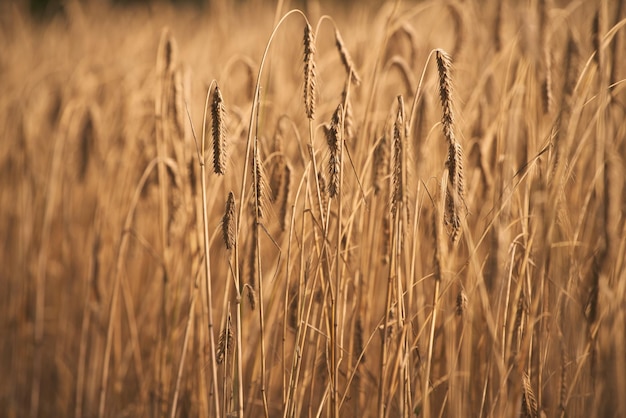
[370, 307]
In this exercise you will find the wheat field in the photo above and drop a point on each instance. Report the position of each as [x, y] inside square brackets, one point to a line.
[310, 209]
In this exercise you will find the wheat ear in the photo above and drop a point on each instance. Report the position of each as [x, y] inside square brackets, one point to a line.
[455, 194]
[309, 71]
[333, 138]
[228, 222]
[219, 132]
[346, 60]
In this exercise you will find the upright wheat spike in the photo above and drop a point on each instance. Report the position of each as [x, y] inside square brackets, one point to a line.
[334, 140]
[225, 343]
[455, 196]
[379, 163]
[228, 222]
[283, 196]
[546, 88]
[444, 64]
[219, 135]
[348, 122]
[570, 66]
[398, 144]
[167, 54]
[277, 176]
[177, 105]
[88, 136]
[497, 27]
[261, 187]
[309, 71]
[461, 302]
[323, 189]
[252, 269]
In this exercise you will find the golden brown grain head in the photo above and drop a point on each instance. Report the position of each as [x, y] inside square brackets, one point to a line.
[284, 195]
[461, 302]
[546, 85]
[348, 122]
[335, 142]
[167, 56]
[219, 132]
[225, 343]
[88, 139]
[228, 222]
[309, 72]
[529, 401]
[323, 188]
[380, 163]
[398, 146]
[177, 104]
[252, 297]
[444, 68]
[456, 206]
[262, 190]
[359, 341]
[438, 247]
[346, 59]
[292, 308]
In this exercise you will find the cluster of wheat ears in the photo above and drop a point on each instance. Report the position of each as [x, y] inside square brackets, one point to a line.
[406, 209]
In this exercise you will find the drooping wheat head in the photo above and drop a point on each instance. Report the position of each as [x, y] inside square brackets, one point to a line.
[346, 59]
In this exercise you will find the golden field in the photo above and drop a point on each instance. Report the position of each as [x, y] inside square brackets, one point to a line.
[247, 209]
